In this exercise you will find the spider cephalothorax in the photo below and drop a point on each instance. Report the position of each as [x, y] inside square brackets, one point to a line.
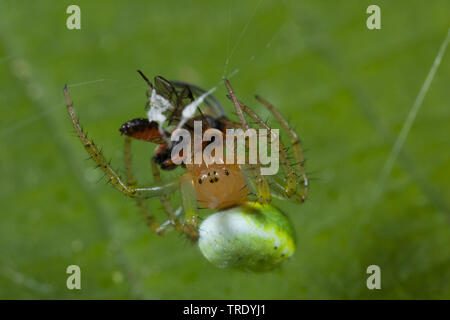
[215, 186]
[219, 186]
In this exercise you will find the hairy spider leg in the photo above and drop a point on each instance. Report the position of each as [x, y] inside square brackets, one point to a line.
[251, 173]
[167, 206]
[289, 187]
[117, 181]
[128, 189]
[149, 217]
[296, 146]
[190, 206]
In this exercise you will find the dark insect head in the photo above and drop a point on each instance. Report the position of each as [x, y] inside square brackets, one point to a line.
[142, 129]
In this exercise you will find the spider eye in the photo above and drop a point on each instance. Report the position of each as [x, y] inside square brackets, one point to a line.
[227, 172]
[199, 181]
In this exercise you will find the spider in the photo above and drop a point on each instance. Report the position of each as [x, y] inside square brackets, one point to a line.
[217, 186]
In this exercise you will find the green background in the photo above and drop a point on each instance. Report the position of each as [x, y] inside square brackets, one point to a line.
[347, 89]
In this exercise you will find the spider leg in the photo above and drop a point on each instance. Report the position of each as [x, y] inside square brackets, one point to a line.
[149, 217]
[117, 181]
[262, 187]
[290, 187]
[167, 206]
[189, 201]
[296, 146]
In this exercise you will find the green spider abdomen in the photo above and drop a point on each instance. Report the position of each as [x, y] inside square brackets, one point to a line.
[251, 237]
